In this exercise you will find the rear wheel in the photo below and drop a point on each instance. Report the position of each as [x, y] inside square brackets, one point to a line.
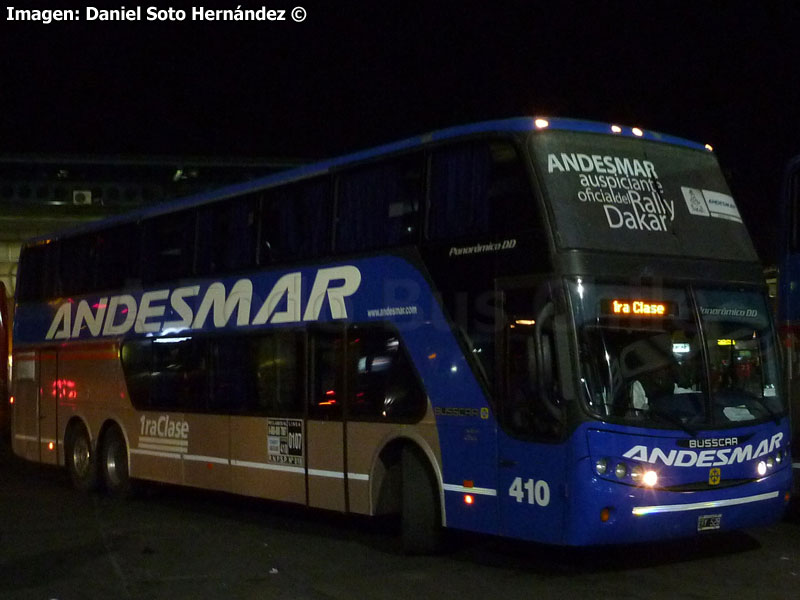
[80, 458]
[421, 514]
[114, 463]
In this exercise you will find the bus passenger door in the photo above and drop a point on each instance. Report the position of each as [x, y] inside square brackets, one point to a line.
[531, 452]
[50, 390]
[325, 427]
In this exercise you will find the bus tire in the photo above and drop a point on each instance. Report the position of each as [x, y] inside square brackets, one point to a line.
[79, 457]
[114, 463]
[420, 515]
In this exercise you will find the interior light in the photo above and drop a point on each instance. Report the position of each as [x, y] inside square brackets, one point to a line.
[541, 123]
[525, 322]
[637, 132]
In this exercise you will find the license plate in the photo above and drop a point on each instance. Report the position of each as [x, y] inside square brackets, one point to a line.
[708, 522]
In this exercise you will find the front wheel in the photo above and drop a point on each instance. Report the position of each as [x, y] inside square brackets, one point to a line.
[80, 458]
[114, 463]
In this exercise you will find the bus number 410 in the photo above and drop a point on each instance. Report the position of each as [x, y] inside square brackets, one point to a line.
[534, 492]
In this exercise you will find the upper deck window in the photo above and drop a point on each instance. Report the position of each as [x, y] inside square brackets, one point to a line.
[477, 189]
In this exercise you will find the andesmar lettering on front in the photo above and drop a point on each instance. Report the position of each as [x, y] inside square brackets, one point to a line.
[717, 457]
[117, 315]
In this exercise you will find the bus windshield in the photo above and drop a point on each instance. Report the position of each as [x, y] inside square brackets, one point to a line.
[676, 358]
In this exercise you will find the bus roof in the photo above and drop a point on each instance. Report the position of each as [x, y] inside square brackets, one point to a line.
[511, 125]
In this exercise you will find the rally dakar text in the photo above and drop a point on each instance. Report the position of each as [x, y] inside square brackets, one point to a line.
[628, 189]
[149, 13]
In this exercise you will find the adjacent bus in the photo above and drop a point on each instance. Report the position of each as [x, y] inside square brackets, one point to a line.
[551, 330]
[789, 288]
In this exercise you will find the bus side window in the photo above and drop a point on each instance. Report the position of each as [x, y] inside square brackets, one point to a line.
[277, 359]
[378, 205]
[39, 264]
[296, 222]
[326, 353]
[77, 265]
[118, 259]
[179, 378]
[479, 188]
[384, 385]
[530, 396]
[257, 375]
[168, 247]
[509, 193]
[137, 365]
[226, 236]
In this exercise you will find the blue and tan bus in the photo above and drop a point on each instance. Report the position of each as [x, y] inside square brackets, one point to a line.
[546, 329]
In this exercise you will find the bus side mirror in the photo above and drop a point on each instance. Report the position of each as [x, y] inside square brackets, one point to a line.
[545, 366]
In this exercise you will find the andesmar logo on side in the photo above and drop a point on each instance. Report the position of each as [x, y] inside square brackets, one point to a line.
[117, 315]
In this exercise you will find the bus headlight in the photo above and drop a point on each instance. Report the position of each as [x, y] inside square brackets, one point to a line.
[621, 470]
[601, 466]
[650, 478]
[761, 468]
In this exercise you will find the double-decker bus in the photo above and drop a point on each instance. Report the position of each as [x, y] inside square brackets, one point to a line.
[546, 329]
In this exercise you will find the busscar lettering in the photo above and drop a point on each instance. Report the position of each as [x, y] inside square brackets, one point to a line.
[172, 310]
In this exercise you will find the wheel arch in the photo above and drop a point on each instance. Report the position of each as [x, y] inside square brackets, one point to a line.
[386, 473]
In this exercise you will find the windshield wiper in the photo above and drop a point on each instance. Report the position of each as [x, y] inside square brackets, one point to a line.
[672, 419]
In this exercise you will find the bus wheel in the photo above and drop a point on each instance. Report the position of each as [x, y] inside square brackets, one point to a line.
[114, 463]
[421, 516]
[80, 459]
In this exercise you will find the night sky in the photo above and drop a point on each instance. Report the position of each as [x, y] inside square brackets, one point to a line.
[356, 74]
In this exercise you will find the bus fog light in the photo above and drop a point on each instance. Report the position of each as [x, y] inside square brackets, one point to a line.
[601, 466]
[621, 470]
[637, 473]
[779, 458]
[761, 468]
[650, 478]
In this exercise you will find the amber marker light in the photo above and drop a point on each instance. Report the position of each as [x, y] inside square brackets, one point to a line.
[605, 515]
[50, 446]
[469, 499]
[11, 400]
